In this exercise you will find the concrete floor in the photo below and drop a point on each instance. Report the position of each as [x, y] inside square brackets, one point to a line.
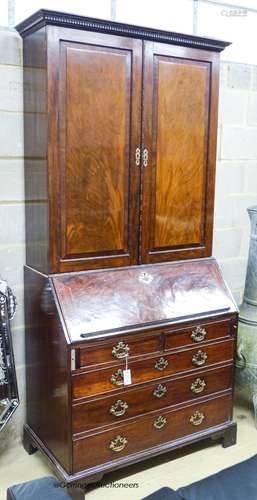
[174, 469]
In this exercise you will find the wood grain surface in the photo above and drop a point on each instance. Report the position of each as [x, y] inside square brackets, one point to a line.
[102, 301]
[179, 112]
[96, 413]
[101, 381]
[141, 433]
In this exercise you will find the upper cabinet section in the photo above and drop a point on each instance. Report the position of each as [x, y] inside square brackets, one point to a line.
[125, 162]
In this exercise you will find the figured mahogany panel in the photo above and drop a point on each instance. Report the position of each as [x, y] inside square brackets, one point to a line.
[130, 403]
[99, 131]
[111, 379]
[181, 119]
[178, 180]
[141, 433]
[93, 303]
[96, 180]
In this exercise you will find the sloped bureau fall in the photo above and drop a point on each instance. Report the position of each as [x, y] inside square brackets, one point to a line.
[130, 328]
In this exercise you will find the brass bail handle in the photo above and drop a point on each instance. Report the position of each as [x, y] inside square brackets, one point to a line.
[120, 350]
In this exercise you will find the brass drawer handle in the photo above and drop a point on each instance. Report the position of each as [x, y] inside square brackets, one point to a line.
[161, 364]
[160, 390]
[117, 377]
[199, 358]
[160, 422]
[118, 444]
[120, 350]
[197, 418]
[198, 385]
[198, 334]
[119, 408]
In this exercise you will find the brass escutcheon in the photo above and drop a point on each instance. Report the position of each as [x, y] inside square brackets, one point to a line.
[160, 390]
[197, 418]
[199, 358]
[198, 385]
[160, 422]
[119, 408]
[198, 334]
[161, 364]
[118, 444]
[120, 350]
[117, 377]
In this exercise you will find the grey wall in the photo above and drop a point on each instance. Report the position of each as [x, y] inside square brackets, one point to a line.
[236, 180]
[12, 249]
[236, 186]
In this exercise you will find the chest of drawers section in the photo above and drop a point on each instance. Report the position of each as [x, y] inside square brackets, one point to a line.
[181, 384]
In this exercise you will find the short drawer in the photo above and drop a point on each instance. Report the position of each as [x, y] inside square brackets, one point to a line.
[110, 379]
[199, 333]
[117, 348]
[149, 431]
[131, 403]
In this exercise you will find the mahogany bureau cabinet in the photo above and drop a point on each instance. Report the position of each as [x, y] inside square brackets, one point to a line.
[130, 328]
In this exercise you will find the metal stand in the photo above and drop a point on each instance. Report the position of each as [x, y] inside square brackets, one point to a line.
[9, 398]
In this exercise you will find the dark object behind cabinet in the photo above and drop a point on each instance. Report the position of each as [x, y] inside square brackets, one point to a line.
[120, 141]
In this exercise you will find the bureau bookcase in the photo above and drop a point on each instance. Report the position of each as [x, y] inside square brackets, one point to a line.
[120, 129]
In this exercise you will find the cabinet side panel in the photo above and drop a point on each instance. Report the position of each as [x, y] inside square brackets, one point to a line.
[46, 369]
[35, 149]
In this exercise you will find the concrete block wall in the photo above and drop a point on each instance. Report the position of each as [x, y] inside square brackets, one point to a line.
[236, 187]
[236, 178]
[12, 220]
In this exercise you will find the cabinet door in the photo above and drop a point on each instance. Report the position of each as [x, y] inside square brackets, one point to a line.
[95, 93]
[180, 120]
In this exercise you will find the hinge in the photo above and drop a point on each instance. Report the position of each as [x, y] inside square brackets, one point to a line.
[73, 359]
[145, 157]
[138, 157]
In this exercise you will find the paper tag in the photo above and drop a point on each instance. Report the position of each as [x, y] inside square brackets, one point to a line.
[127, 377]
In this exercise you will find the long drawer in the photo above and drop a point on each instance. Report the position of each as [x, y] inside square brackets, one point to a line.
[130, 403]
[110, 379]
[149, 431]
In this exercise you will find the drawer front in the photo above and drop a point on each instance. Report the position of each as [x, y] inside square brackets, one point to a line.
[131, 403]
[110, 379]
[197, 334]
[117, 348]
[146, 432]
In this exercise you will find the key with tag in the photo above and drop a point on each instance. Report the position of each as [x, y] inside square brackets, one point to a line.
[127, 374]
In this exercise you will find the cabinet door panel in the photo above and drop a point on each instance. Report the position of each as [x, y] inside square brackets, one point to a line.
[179, 113]
[99, 130]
